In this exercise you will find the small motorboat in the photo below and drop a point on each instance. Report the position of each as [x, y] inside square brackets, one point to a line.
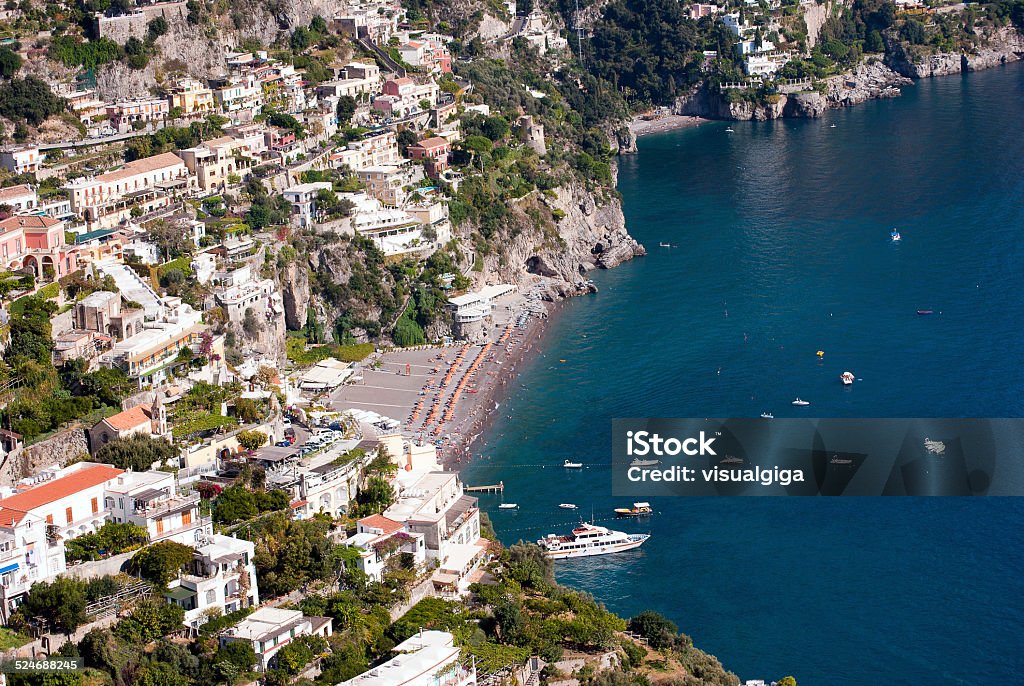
[767, 415]
[800, 403]
[926, 312]
[567, 506]
[840, 461]
[847, 378]
[832, 127]
[731, 459]
[637, 462]
[729, 130]
[569, 464]
[508, 506]
[895, 236]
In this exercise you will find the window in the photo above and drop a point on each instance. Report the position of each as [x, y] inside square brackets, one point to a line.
[186, 518]
[49, 519]
[95, 505]
[67, 513]
[159, 526]
[211, 597]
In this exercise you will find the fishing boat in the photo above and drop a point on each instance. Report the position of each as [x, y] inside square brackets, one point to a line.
[767, 415]
[508, 506]
[847, 378]
[587, 540]
[567, 506]
[569, 464]
[638, 510]
[895, 236]
[800, 403]
[637, 462]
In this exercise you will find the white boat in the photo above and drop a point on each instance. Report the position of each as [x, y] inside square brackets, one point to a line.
[587, 540]
[800, 403]
[832, 127]
[664, 245]
[731, 459]
[767, 415]
[729, 129]
[895, 236]
[508, 506]
[569, 464]
[637, 462]
[847, 378]
[567, 506]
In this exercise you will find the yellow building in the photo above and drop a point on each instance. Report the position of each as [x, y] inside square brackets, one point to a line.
[192, 97]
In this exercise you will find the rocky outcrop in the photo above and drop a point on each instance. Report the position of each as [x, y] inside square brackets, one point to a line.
[623, 141]
[871, 79]
[61, 449]
[1000, 46]
[295, 295]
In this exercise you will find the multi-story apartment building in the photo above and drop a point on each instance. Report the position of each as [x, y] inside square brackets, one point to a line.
[123, 115]
[434, 152]
[221, 577]
[36, 243]
[21, 159]
[147, 183]
[151, 500]
[46, 510]
[213, 162]
[147, 355]
[387, 182]
[19, 198]
[239, 98]
[378, 539]
[374, 150]
[449, 520]
[239, 291]
[191, 97]
[269, 629]
[303, 201]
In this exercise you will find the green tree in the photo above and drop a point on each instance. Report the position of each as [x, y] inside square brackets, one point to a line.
[251, 440]
[62, 602]
[659, 631]
[10, 62]
[161, 562]
[239, 654]
[150, 620]
[300, 39]
[137, 452]
[235, 503]
[787, 681]
[345, 109]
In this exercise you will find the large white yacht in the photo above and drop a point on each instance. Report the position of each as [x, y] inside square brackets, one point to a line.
[588, 539]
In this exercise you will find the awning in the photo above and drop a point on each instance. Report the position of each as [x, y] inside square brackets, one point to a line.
[9, 568]
[180, 593]
[443, 579]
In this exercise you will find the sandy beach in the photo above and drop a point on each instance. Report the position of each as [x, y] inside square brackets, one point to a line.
[448, 394]
[663, 122]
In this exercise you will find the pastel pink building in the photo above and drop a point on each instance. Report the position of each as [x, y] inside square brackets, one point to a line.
[36, 244]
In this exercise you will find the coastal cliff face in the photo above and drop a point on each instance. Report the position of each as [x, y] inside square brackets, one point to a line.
[869, 80]
[1003, 45]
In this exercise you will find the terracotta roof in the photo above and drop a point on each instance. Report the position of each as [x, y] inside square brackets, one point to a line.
[14, 192]
[129, 419]
[431, 143]
[28, 222]
[389, 526]
[147, 164]
[403, 81]
[17, 506]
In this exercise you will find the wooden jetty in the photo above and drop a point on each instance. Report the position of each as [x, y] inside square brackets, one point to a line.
[494, 488]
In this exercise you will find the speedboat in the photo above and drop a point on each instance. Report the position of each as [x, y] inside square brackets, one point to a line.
[926, 312]
[767, 415]
[895, 236]
[847, 378]
[567, 506]
[637, 462]
[569, 464]
[832, 127]
[508, 506]
[800, 403]
[839, 460]
[638, 510]
[664, 245]
[588, 539]
[729, 130]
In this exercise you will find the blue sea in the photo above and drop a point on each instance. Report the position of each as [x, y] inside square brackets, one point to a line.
[780, 235]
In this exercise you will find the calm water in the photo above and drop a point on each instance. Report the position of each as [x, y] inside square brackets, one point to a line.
[782, 231]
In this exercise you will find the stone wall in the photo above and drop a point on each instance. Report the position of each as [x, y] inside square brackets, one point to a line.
[94, 570]
[120, 29]
[61, 450]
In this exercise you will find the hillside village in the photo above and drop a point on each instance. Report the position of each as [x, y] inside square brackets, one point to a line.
[258, 280]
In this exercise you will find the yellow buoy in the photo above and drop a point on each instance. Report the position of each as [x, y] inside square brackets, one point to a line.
[821, 353]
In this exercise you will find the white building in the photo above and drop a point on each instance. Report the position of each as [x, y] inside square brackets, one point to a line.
[21, 159]
[269, 629]
[429, 658]
[146, 356]
[221, 577]
[46, 510]
[303, 201]
[378, 539]
[151, 500]
[240, 291]
[471, 311]
[20, 198]
[142, 182]
[436, 507]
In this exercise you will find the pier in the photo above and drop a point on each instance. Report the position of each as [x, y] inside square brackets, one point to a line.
[494, 488]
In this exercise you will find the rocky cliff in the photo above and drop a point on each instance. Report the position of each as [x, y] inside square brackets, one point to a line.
[871, 79]
[1000, 46]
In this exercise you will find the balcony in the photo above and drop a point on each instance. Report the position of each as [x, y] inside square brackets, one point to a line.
[163, 507]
